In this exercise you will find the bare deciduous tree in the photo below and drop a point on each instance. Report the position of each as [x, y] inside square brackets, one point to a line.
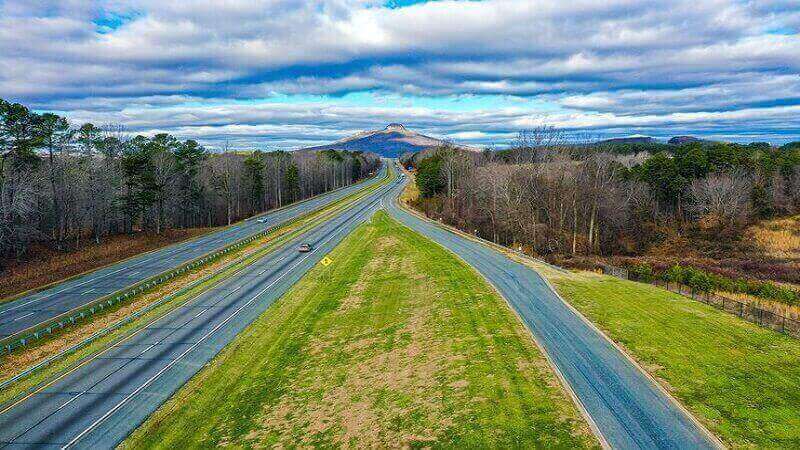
[721, 199]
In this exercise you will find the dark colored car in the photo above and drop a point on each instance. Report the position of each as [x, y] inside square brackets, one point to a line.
[304, 248]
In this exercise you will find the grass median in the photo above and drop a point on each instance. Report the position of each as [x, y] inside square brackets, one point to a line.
[742, 381]
[397, 343]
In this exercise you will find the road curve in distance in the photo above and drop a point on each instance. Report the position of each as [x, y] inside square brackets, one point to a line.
[626, 407]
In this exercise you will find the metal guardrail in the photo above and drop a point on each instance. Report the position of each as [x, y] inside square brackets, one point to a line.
[63, 320]
[139, 313]
[105, 331]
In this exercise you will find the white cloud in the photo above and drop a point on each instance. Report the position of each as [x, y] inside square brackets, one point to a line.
[613, 64]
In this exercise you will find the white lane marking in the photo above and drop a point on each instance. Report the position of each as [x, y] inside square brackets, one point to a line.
[86, 292]
[61, 290]
[71, 400]
[162, 318]
[143, 386]
[145, 350]
[26, 315]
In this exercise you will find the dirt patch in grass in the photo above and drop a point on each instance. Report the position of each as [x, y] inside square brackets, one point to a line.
[45, 265]
[351, 410]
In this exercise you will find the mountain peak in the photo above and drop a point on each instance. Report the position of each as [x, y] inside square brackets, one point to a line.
[390, 142]
[395, 126]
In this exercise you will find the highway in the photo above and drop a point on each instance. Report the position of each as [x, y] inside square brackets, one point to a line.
[100, 403]
[35, 308]
[627, 408]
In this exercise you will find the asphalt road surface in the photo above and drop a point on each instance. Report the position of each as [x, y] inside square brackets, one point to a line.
[100, 403]
[30, 310]
[628, 409]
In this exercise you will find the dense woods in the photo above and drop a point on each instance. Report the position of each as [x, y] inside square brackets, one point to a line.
[551, 197]
[60, 184]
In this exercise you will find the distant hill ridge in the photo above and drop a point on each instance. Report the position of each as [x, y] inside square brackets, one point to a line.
[389, 142]
[675, 140]
[629, 140]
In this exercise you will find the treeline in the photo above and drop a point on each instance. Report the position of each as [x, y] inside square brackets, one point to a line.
[60, 184]
[573, 199]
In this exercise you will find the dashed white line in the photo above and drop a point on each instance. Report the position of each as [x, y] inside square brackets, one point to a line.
[193, 346]
[26, 315]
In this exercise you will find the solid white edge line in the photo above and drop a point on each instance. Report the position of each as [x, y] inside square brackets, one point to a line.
[714, 439]
[564, 383]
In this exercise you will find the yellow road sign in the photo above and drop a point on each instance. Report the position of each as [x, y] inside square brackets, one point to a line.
[326, 261]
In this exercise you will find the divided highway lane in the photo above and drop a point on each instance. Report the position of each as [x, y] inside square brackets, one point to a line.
[100, 403]
[628, 409]
[30, 310]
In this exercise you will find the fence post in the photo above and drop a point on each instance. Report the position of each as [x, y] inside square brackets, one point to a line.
[741, 309]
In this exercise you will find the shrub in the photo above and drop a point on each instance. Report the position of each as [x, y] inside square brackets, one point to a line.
[641, 272]
[773, 292]
[699, 281]
[675, 274]
[702, 281]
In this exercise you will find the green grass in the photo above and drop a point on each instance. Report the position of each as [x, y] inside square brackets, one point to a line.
[397, 343]
[740, 380]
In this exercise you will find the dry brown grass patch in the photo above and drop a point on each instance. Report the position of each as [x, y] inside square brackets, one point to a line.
[46, 266]
[346, 403]
[779, 238]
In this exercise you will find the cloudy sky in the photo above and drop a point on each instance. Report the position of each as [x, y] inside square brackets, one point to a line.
[284, 74]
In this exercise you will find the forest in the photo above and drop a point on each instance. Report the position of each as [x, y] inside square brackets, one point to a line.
[575, 203]
[62, 184]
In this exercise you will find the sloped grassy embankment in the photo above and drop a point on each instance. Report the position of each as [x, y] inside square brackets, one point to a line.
[397, 343]
[742, 381]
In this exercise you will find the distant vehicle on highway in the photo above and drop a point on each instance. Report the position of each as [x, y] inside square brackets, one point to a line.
[262, 220]
[304, 248]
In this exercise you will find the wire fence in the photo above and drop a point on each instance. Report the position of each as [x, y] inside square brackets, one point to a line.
[746, 311]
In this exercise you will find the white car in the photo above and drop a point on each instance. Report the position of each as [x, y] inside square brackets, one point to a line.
[262, 220]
